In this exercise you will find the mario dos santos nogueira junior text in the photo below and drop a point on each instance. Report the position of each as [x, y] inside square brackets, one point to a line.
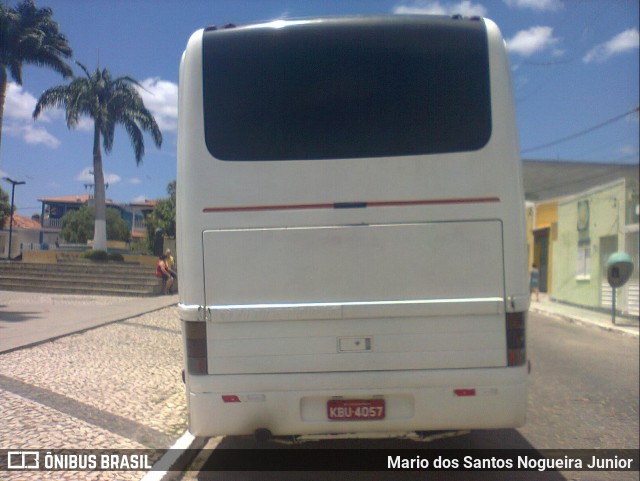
[519, 462]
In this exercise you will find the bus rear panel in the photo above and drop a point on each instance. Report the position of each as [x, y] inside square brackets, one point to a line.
[351, 234]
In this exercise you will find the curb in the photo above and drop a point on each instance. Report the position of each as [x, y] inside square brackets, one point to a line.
[176, 459]
[583, 322]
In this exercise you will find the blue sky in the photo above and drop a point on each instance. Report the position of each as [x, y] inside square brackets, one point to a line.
[574, 64]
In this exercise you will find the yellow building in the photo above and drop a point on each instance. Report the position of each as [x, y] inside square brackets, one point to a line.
[542, 230]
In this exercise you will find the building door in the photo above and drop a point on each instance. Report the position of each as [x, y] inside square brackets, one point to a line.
[541, 256]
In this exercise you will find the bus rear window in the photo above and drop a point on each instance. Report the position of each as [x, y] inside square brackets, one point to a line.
[346, 89]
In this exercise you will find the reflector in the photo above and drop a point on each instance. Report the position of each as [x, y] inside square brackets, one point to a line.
[464, 392]
[230, 398]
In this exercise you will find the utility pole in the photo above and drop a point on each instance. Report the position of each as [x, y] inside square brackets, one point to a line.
[13, 189]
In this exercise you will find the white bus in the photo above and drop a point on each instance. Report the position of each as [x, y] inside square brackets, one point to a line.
[351, 234]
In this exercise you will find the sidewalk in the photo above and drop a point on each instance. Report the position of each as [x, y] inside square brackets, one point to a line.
[601, 320]
[28, 318]
[118, 387]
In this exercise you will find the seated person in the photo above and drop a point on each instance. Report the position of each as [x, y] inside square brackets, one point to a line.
[163, 272]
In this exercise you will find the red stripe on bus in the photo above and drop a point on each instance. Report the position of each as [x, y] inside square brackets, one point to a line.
[399, 203]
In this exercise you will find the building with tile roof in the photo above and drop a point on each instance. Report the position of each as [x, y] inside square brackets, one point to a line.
[55, 208]
[25, 232]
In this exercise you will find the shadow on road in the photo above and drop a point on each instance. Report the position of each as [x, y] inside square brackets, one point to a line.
[18, 316]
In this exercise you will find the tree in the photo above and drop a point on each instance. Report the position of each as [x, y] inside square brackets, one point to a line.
[163, 216]
[5, 207]
[78, 225]
[29, 35]
[108, 102]
[117, 227]
[165, 211]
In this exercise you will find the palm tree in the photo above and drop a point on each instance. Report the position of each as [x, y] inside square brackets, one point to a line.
[109, 102]
[29, 34]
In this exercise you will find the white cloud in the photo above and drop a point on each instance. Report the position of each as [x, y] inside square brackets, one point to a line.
[623, 42]
[538, 5]
[465, 7]
[31, 134]
[528, 42]
[112, 178]
[18, 122]
[86, 176]
[134, 181]
[38, 135]
[85, 124]
[161, 98]
[140, 199]
[628, 150]
[19, 104]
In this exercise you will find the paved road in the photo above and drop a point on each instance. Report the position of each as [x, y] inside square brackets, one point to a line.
[584, 387]
[119, 386]
[583, 394]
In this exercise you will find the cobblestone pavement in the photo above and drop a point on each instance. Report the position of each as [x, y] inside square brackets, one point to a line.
[115, 387]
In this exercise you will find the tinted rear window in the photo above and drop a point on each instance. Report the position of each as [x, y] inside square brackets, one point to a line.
[346, 89]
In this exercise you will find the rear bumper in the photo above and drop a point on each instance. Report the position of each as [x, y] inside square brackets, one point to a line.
[296, 404]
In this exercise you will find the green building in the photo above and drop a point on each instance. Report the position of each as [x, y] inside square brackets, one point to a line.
[591, 226]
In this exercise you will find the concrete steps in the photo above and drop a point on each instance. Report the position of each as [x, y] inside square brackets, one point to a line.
[80, 277]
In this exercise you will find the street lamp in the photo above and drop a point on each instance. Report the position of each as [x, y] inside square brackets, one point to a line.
[13, 188]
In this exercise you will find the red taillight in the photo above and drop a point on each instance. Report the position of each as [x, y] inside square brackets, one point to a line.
[196, 340]
[516, 338]
[464, 392]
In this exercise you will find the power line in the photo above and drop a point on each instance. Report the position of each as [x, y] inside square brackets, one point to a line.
[581, 133]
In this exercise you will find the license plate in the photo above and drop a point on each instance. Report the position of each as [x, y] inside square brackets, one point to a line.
[355, 409]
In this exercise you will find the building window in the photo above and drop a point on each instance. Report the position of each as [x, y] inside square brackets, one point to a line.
[583, 266]
[583, 216]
